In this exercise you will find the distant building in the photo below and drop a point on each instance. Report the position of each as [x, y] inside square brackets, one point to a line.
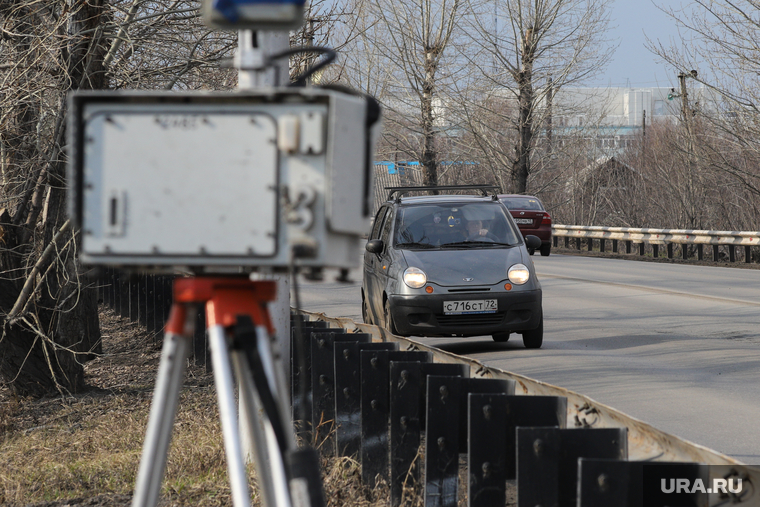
[613, 116]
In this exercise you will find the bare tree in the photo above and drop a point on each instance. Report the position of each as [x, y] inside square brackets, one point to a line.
[407, 44]
[721, 46]
[525, 52]
[48, 315]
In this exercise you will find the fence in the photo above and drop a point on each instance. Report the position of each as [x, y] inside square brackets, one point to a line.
[690, 242]
[147, 299]
[411, 414]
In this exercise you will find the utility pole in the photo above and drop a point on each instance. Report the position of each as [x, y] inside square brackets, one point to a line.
[549, 120]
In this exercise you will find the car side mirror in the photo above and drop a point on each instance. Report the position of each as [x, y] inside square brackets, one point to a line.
[375, 246]
[533, 242]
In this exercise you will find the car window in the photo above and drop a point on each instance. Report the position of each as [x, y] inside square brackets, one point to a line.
[385, 235]
[378, 223]
[439, 225]
[522, 203]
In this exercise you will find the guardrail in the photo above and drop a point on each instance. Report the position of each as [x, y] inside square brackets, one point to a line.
[408, 413]
[683, 238]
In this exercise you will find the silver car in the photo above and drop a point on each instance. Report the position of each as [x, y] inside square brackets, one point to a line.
[451, 265]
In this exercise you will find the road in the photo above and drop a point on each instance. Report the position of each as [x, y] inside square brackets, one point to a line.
[677, 346]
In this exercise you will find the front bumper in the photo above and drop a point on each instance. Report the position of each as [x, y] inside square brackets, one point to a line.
[422, 315]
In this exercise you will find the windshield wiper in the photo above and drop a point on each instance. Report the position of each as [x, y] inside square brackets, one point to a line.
[414, 245]
[475, 243]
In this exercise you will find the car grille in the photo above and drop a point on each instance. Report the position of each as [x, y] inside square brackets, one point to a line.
[478, 319]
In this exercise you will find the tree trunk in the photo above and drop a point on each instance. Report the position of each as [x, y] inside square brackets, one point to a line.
[55, 329]
[429, 155]
[521, 168]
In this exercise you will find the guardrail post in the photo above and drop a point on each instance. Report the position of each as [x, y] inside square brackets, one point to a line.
[323, 423]
[670, 250]
[747, 254]
[628, 246]
[446, 432]
[732, 253]
[547, 461]
[716, 253]
[525, 411]
[300, 374]
[642, 248]
[684, 251]
[578, 243]
[614, 246]
[375, 412]
[487, 442]
[590, 244]
[656, 251]
[348, 393]
[567, 242]
[604, 482]
[700, 251]
[602, 242]
[408, 391]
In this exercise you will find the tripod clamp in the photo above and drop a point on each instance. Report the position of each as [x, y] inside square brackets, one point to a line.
[240, 335]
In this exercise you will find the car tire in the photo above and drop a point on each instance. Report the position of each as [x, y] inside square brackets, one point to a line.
[366, 317]
[501, 337]
[531, 251]
[533, 338]
[389, 318]
[546, 250]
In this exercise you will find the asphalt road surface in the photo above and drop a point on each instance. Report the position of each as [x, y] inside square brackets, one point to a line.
[677, 346]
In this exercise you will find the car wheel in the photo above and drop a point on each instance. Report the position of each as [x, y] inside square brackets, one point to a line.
[533, 338]
[365, 311]
[531, 251]
[501, 337]
[546, 250]
[389, 318]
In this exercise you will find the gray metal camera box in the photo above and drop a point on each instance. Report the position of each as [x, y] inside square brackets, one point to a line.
[212, 181]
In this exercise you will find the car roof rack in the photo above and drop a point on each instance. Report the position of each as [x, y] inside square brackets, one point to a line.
[397, 192]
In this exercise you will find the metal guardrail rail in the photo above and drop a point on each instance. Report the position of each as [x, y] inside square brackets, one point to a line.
[659, 237]
[641, 442]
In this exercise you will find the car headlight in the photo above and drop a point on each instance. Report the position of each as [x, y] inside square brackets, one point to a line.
[519, 274]
[415, 277]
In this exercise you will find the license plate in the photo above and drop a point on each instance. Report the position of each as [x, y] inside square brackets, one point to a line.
[524, 221]
[475, 306]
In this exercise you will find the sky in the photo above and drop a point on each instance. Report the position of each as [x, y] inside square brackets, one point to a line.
[631, 22]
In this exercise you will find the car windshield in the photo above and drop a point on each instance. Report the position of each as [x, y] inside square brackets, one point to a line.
[526, 203]
[478, 224]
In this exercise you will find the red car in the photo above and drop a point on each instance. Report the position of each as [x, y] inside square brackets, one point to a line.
[531, 217]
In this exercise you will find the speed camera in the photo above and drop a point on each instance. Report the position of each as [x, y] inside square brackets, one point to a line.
[221, 180]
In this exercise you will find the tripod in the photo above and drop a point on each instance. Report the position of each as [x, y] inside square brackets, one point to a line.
[240, 337]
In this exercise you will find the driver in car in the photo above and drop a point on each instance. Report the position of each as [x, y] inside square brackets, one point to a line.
[475, 230]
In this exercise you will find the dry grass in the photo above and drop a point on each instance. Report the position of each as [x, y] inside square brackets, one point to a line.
[85, 449]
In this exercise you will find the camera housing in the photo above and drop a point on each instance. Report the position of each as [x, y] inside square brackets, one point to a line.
[220, 182]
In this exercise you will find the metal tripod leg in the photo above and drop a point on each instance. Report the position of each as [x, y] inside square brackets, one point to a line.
[163, 410]
[225, 389]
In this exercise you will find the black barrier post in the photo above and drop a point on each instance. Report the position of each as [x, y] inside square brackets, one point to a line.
[348, 393]
[446, 432]
[407, 417]
[552, 454]
[375, 412]
[604, 482]
[442, 441]
[486, 443]
[300, 374]
[323, 421]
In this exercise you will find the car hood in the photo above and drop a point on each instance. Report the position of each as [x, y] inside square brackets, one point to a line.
[450, 267]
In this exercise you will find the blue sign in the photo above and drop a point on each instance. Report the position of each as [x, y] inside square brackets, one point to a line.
[259, 14]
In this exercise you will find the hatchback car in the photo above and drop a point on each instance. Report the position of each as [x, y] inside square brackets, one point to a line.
[451, 265]
[532, 218]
